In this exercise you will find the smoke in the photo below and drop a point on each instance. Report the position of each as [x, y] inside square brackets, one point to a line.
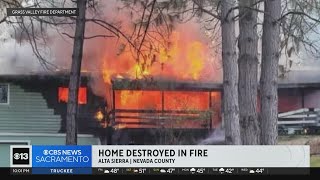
[16, 58]
[216, 137]
[101, 55]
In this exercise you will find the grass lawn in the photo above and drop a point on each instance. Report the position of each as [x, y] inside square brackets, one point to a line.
[315, 161]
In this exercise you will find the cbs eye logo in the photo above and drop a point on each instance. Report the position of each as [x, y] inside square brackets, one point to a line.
[20, 156]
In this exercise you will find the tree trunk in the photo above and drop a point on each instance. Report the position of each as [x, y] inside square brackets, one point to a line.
[71, 137]
[269, 72]
[230, 73]
[248, 73]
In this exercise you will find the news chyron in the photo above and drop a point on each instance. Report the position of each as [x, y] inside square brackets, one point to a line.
[159, 159]
[50, 159]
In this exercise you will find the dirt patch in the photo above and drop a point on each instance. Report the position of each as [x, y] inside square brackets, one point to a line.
[313, 141]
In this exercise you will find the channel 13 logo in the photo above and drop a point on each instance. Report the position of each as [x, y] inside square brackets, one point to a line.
[20, 156]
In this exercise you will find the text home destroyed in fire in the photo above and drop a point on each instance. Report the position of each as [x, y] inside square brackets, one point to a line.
[138, 111]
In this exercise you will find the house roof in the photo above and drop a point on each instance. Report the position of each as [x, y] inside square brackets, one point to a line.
[292, 79]
[52, 76]
[164, 85]
[300, 78]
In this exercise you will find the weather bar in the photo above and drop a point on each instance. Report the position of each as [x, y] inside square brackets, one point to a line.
[201, 171]
[166, 171]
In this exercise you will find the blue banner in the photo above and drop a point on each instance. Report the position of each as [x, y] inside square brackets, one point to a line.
[61, 170]
[61, 156]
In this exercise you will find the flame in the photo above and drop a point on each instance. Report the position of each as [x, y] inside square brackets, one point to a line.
[196, 58]
[180, 100]
[185, 58]
[127, 99]
[99, 115]
[63, 95]
[167, 54]
[172, 100]
[139, 71]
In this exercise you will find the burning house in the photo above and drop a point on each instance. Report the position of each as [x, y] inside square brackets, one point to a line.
[195, 107]
[33, 106]
[172, 96]
[145, 109]
[33, 110]
[139, 111]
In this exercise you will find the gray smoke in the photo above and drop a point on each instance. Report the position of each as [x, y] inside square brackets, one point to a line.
[17, 58]
[216, 137]
[16, 54]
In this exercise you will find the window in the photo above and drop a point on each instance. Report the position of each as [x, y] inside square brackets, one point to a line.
[63, 95]
[4, 93]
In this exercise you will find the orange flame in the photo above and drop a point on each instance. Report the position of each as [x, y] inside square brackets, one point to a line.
[185, 58]
[195, 57]
[63, 95]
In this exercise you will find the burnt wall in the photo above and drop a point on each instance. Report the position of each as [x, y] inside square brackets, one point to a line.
[151, 136]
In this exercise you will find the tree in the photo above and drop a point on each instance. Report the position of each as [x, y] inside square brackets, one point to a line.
[226, 18]
[74, 82]
[29, 27]
[33, 29]
[25, 28]
[299, 29]
[248, 72]
[230, 73]
[269, 71]
[229, 53]
[75, 73]
[295, 23]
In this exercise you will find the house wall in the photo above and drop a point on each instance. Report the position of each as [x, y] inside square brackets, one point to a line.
[27, 112]
[185, 132]
[312, 98]
[290, 99]
[34, 116]
[172, 100]
[297, 98]
[34, 107]
[87, 124]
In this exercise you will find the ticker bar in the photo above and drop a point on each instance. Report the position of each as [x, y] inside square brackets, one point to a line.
[164, 171]
[201, 171]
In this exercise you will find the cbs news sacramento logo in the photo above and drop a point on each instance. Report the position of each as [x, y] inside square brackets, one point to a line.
[20, 156]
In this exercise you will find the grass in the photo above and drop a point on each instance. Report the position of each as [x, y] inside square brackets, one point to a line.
[315, 161]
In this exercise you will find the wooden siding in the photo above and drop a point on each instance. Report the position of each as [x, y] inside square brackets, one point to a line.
[27, 112]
